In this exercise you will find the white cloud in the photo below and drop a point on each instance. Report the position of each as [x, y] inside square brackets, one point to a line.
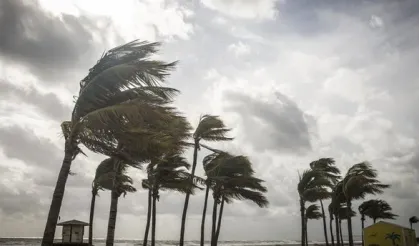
[239, 49]
[246, 9]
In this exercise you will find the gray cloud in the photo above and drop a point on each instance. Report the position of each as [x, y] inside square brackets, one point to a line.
[49, 104]
[51, 47]
[282, 125]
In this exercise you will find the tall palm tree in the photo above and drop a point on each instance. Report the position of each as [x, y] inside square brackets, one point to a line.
[359, 181]
[232, 179]
[112, 175]
[413, 220]
[117, 98]
[312, 186]
[327, 167]
[210, 128]
[146, 185]
[312, 213]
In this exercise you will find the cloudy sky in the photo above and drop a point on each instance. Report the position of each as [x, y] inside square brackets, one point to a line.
[296, 80]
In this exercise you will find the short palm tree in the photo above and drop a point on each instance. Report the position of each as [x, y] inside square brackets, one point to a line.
[312, 213]
[95, 190]
[378, 209]
[169, 173]
[312, 186]
[337, 202]
[359, 181]
[117, 99]
[210, 128]
[413, 220]
[231, 178]
[112, 175]
[327, 167]
[331, 218]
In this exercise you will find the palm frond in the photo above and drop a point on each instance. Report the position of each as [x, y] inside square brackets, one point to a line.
[211, 128]
[313, 212]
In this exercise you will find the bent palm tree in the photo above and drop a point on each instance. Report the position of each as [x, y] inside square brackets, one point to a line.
[331, 218]
[312, 213]
[313, 186]
[231, 179]
[413, 220]
[327, 167]
[378, 209]
[170, 173]
[117, 99]
[360, 180]
[343, 215]
[112, 175]
[210, 128]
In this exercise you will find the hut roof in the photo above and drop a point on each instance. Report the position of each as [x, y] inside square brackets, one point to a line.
[385, 222]
[73, 222]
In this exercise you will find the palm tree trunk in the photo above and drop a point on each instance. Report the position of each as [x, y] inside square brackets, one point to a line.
[112, 219]
[92, 214]
[411, 225]
[185, 206]
[375, 219]
[340, 231]
[203, 216]
[338, 243]
[214, 221]
[57, 197]
[306, 232]
[362, 226]
[147, 227]
[324, 224]
[153, 223]
[331, 229]
[349, 219]
[220, 215]
[302, 210]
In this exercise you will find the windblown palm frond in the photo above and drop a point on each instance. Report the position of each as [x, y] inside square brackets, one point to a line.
[327, 167]
[377, 209]
[413, 219]
[314, 186]
[211, 128]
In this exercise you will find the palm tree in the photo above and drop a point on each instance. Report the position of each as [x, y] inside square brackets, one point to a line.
[313, 186]
[413, 220]
[112, 175]
[231, 179]
[343, 215]
[362, 210]
[210, 128]
[95, 190]
[327, 167]
[378, 209]
[330, 209]
[117, 99]
[146, 185]
[169, 173]
[312, 213]
[360, 180]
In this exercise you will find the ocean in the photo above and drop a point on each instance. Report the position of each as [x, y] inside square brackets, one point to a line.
[101, 242]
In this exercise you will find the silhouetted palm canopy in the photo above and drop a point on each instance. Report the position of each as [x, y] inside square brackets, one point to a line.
[211, 128]
[376, 209]
[121, 103]
[413, 219]
[231, 177]
[327, 167]
[360, 180]
[313, 185]
[343, 213]
[313, 212]
[111, 174]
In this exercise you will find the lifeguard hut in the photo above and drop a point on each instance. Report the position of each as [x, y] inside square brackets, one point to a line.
[72, 234]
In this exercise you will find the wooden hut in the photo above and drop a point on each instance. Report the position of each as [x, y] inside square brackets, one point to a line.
[72, 233]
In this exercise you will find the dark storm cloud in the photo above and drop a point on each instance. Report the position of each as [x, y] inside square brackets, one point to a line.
[49, 104]
[279, 125]
[50, 46]
[22, 144]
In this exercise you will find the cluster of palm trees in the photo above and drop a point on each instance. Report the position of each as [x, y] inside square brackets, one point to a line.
[125, 113]
[323, 181]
